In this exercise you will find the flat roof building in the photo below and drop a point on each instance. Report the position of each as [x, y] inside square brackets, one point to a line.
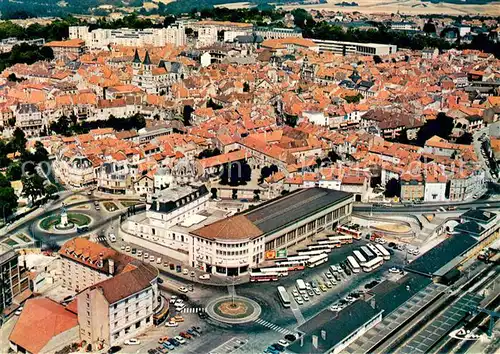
[348, 48]
[211, 240]
[331, 332]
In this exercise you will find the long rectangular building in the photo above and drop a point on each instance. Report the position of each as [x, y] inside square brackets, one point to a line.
[210, 240]
[354, 48]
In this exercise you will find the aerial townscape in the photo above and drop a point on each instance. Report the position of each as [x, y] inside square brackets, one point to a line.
[214, 176]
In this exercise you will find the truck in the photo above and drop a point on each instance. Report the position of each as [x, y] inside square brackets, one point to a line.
[301, 286]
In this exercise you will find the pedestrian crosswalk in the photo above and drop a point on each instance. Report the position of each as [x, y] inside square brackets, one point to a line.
[193, 309]
[97, 238]
[273, 326]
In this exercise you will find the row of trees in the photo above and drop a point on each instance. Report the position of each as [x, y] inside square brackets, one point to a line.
[26, 54]
[69, 126]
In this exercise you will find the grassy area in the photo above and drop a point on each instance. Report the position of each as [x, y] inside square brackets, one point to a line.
[23, 237]
[110, 206]
[127, 204]
[10, 242]
[51, 221]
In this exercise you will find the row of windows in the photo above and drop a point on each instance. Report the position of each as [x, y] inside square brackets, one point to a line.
[232, 253]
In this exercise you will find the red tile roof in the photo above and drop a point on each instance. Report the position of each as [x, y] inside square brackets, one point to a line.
[40, 321]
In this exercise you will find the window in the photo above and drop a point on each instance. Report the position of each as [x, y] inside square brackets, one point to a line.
[138, 324]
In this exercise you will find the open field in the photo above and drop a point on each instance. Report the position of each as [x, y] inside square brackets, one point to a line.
[407, 7]
[236, 5]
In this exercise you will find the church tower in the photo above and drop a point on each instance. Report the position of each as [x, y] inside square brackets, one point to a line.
[136, 63]
[146, 64]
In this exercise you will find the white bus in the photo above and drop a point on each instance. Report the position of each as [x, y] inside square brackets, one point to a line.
[331, 243]
[367, 252]
[317, 260]
[353, 264]
[324, 248]
[282, 271]
[373, 264]
[359, 257]
[257, 275]
[284, 298]
[385, 253]
[343, 239]
[311, 253]
[300, 285]
[293, 264]
[350, 229]
[374, 249]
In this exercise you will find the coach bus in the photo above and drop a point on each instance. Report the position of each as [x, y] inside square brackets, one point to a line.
[385, 254]
[328, 242]
[311, 253]
[290, 264]
[324, 248]
[342, 239]
[353, 264]
[317, 260]
[281, 270]
[373, 264]
[359, 257]
[284, 298]
[258, 276]
[350, 230]
[368, 253]
[375, 250]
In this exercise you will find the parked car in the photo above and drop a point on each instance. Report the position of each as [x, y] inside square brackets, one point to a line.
[295, 293]
[283, 342]
[168, 345]
[316, 291]
[139, 253]
[173, 342]
[132, 341]
[178, 318]
[185, 335]
[183, 289]
[114, 349]
[152, 258]
[180, 339]
[305, 297]
[146, 255]
[171, 324]
[202, 315]
[204, 276]
[162, 339]
[127, 249]
[134, 250]
[299, 301]
[197, 329]
[173, 299]
[185, 271]
[394, 270]
[192, 333]
[18, 311]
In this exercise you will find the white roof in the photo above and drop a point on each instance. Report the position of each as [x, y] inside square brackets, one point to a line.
[193, 220]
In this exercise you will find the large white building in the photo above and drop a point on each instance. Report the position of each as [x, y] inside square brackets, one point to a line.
[158, 37]
[179, 223]
[348, 48]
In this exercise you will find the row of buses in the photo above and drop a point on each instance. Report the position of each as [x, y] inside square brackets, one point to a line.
[310, 256]
[368, 258]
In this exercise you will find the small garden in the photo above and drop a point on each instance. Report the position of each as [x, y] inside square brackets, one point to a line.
[78, 219]
[110, 206]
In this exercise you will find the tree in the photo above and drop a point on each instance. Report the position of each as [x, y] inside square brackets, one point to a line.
[392, 188]
[19, 141]
[267, 171]
[429, 27]
[209, 153]
[333, 156]
[377, 59]
[8, 201]
[466, 138]
[14, 172]
[33, 187]
[291, 120]
[186, 114]
[214, 193]
[50, 190]
[441, 126]
[256, 195]
[40, 153]
[246, 87]
[13, 78]
[353, 99]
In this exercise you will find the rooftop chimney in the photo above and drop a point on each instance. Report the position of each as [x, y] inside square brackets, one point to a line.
[323, 334]
[111, 264]
[315, 341]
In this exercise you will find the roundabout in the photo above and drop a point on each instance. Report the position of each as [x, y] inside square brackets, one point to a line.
[233, 309]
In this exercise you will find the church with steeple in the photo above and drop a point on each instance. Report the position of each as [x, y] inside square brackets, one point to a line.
[157, 78]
